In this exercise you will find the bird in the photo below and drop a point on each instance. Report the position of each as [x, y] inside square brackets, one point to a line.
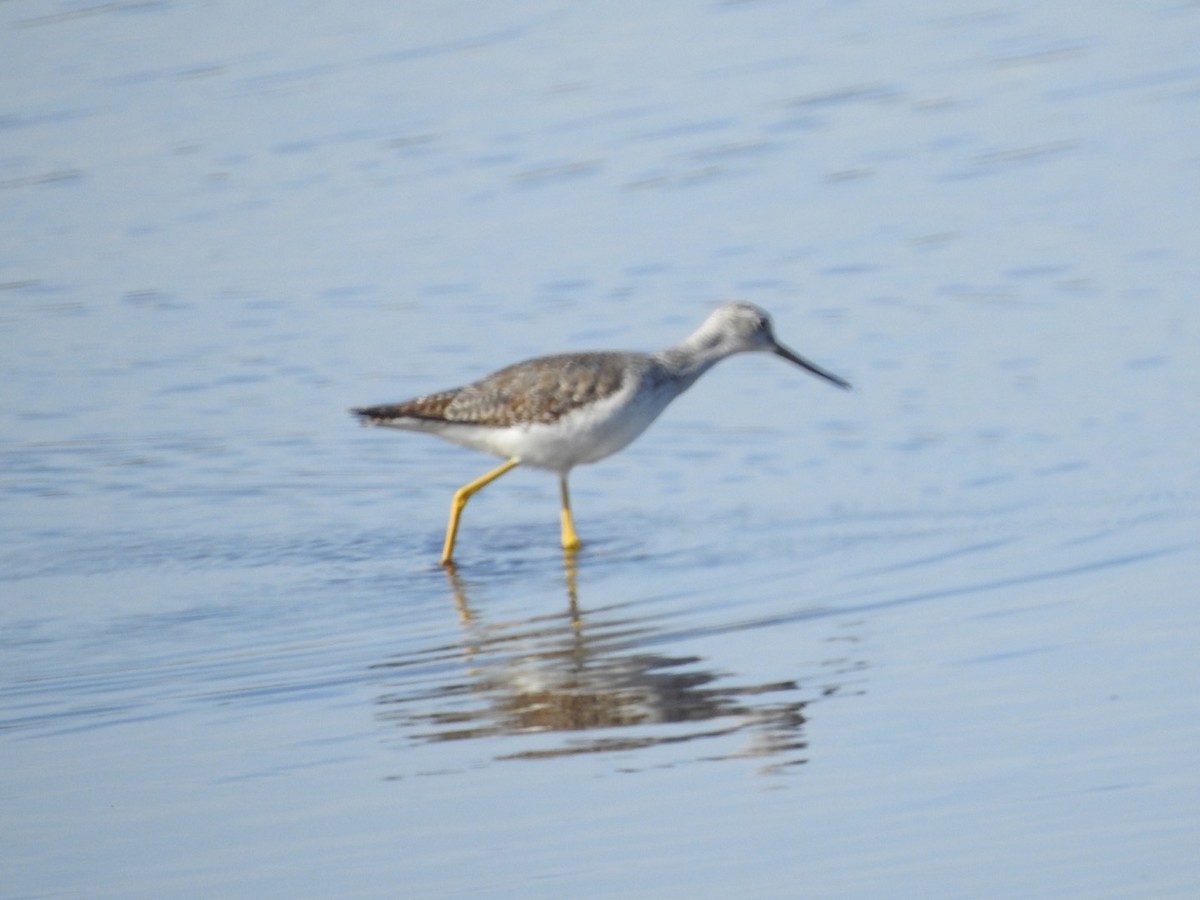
[558, 412]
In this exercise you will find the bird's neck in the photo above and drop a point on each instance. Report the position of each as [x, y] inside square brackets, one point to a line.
[689, 360]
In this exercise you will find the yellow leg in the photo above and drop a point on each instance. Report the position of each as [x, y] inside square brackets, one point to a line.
[461, 496]
[570, 540]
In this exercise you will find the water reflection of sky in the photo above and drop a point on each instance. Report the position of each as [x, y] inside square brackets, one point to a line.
[961, 596]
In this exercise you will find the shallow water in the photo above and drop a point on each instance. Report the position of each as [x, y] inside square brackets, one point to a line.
[935, 637]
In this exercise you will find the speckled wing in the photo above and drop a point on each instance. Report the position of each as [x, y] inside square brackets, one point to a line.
[539, 390]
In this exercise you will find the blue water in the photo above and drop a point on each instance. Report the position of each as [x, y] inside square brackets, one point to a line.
[935, 637]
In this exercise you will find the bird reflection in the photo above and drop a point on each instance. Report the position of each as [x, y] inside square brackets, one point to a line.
[588, 678]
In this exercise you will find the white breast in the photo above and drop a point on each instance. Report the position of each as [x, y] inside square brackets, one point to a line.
[584, 436]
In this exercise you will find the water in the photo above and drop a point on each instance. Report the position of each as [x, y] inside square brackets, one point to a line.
[935, 637]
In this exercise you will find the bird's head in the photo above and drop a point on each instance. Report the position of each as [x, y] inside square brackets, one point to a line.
[739, 327]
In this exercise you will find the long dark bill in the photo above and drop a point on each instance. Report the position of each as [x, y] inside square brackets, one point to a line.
[803, 363]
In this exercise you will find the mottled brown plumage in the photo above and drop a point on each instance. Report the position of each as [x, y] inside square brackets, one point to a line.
[539, 391]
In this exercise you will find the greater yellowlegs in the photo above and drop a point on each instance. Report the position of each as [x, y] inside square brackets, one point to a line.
[557, 412]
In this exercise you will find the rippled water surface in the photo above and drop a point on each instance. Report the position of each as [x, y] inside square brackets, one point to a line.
[935, 637]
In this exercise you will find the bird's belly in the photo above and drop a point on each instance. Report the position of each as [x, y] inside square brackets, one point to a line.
[586, 435]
